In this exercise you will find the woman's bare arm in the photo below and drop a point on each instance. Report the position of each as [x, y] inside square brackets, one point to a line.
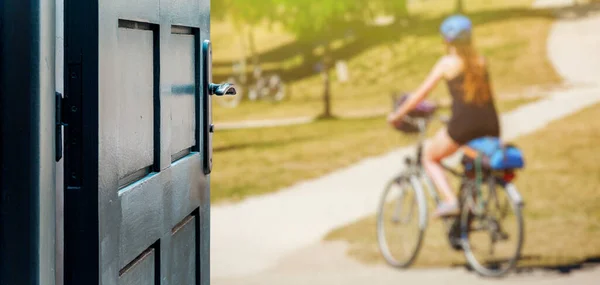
[435, 75]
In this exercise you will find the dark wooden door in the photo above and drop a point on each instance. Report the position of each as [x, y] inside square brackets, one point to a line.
[136, 197]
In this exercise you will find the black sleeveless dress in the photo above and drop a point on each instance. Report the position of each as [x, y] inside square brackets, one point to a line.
[469, 120]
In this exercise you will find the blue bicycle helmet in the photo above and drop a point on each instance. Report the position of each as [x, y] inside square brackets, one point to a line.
[456, 28]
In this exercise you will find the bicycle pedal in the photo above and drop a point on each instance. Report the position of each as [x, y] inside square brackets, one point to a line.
[455, 244]
[454, 237]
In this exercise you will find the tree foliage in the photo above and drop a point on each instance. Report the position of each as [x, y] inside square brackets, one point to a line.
[240, 12]
[396, 8]
[318, 21]
[310, 18]
[306, 19]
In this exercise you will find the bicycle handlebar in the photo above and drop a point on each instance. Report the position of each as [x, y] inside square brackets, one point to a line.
[421, 122]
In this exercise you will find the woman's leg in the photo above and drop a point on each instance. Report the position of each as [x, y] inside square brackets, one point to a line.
[436, 149]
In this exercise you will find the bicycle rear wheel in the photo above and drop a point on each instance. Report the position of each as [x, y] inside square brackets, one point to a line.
[276, 88]
[401, 221]
[492, 229]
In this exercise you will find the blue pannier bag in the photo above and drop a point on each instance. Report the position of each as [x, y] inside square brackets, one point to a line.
[500, 156]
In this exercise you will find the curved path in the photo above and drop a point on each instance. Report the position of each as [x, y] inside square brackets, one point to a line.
[276, 238]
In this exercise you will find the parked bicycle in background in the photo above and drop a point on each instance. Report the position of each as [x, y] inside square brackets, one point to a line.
[260, 87]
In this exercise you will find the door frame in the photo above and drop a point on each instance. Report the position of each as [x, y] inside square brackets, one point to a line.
[27, 149]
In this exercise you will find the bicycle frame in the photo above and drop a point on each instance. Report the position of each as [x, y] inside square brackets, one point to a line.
[416, 167]
[478, 196]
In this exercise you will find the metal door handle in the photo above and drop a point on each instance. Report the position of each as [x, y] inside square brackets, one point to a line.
[209, 88]
[221, 89]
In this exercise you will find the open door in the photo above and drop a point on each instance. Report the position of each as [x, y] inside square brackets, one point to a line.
[137, 145]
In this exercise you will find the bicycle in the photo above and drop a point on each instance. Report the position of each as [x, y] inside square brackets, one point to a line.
[486, 198]
[269, 88]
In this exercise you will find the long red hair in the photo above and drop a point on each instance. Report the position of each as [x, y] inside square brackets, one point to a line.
[476, 83]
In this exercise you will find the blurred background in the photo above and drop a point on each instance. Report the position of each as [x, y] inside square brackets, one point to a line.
[315, 79]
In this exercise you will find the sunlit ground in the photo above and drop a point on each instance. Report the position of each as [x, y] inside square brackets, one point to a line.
[560, 187]
[258, 161]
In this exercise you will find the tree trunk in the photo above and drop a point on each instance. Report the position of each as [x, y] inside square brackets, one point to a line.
[403, 9]
[460, 7]
[243, 54]
[326, 96]
[326, 84]
[252, 47]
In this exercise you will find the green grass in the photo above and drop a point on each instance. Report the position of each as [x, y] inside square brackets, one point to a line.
[258, 161]
[439, 8]
[384, 59]
[560, 186]
[381, 60]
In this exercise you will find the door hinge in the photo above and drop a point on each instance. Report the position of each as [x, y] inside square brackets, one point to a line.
[58, 137]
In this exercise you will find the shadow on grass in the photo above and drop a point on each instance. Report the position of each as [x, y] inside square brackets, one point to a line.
[366, 37]
[263, 144]
[561, 268]
[564, 268]
[578, 11]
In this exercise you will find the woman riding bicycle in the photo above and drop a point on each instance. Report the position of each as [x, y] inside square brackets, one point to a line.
[473, 111]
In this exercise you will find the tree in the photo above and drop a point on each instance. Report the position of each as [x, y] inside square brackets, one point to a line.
[218, 9]
[460, 7]
[319, 21]
[396, 8]
[244, 15]
[239, 12]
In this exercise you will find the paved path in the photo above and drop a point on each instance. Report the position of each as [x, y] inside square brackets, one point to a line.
[543, 4]
[249, 124]
[332, 267]
[266, 123]
[252, 238]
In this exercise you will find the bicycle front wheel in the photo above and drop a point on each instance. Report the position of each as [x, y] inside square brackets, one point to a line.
[401, 221]
[492, 229]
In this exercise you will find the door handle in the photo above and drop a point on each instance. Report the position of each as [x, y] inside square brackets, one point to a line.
[221, 89]
[208, 89]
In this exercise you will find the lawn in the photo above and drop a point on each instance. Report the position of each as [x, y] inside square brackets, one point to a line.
[258, 161]
[561, 188]
[395, 57]
[381, 60]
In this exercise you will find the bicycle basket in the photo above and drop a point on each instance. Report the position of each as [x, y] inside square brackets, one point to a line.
[424, 109]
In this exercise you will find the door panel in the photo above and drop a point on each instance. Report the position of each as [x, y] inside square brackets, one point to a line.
[183, 252]
[141, 217]
[141, 271]
[185, 12]
[183, 77]
[145, 192]
[182, 196]
[134, 100]
[147, 10]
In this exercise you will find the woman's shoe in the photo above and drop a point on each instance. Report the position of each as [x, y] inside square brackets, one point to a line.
[447, 209]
